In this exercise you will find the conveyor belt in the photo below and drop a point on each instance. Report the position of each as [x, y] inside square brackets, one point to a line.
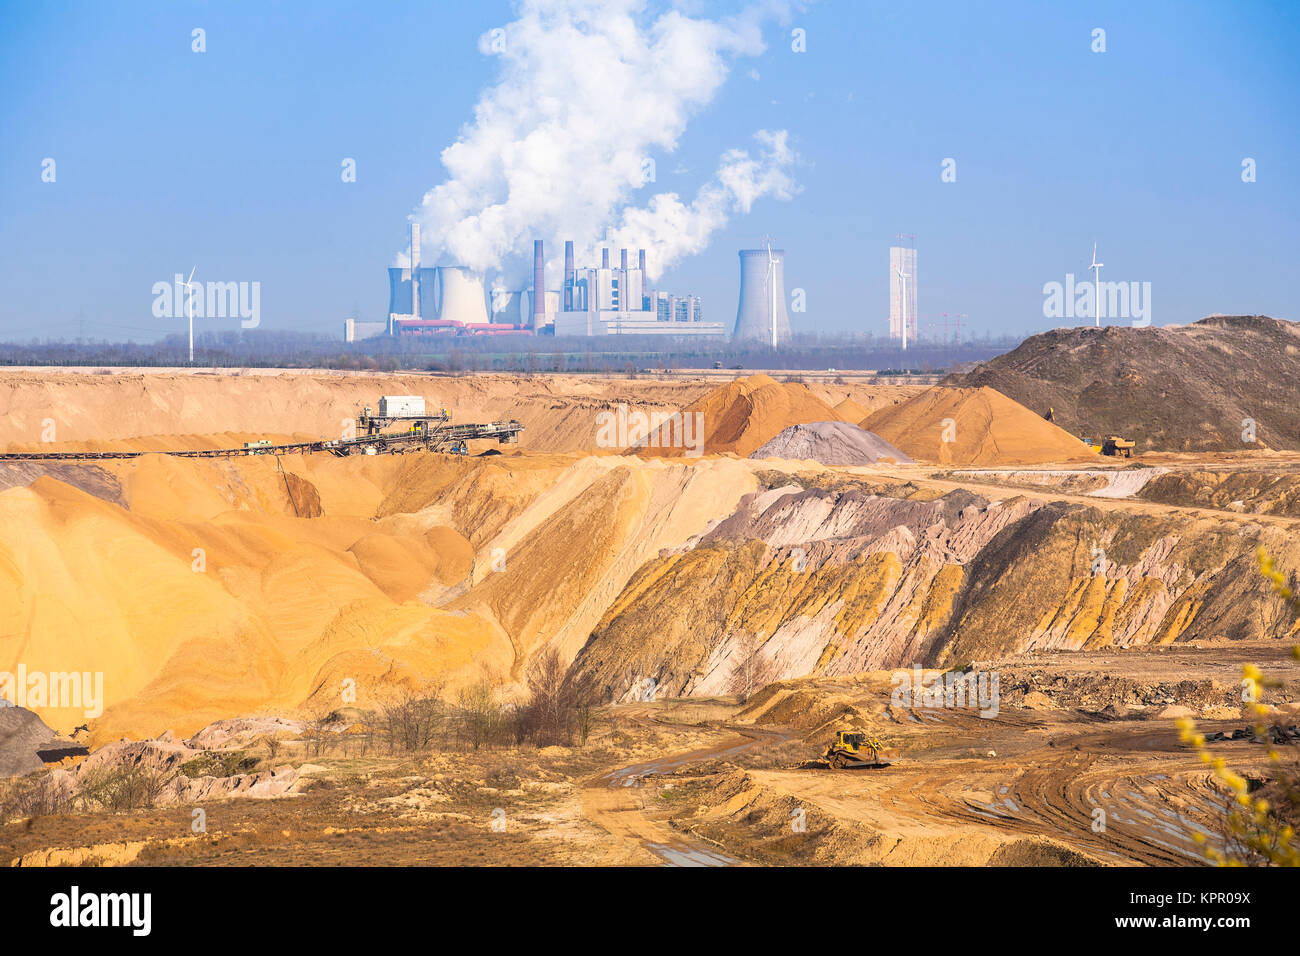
[440, 437]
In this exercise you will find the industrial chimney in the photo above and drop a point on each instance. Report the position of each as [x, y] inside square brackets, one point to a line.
[568, 275]
[604, 258]
[762, 297]
[623, 260]
[415, 270]
[539, 285]
[641, 263]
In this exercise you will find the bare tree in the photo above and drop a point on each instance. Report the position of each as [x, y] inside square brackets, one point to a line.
[316, 731]
[38, 794]
[481, 712]
[122, 787]
[548, 704]
[752, 670]
[560, 703]
[412, 719]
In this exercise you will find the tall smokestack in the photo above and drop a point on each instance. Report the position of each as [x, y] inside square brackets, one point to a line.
[623, 263]
[539, 284]
[604, 258]
[568, 275]
[645, 297]
[415, 270]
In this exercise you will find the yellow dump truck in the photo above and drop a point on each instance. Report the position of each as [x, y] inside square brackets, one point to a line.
[1111, 445]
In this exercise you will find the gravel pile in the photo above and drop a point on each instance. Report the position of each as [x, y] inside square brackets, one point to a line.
[831, 443]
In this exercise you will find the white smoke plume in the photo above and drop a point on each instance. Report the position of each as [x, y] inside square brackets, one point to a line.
[589, 96]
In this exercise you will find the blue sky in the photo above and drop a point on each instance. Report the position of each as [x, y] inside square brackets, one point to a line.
[230, 159]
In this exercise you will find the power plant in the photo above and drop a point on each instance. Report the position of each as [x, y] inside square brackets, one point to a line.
[614, 301]
[604, 300]
[761, 314]
[446, 300]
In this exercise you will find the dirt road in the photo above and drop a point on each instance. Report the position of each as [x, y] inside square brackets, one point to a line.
[1142, 809]
[619, 802]
[923, 477]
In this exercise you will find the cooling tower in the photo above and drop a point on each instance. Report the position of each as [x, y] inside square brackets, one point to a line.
[400, 297]
[461, 297]
[508, 307]
[568, 275]
[754, 314]
[550, 304]
[399, 291]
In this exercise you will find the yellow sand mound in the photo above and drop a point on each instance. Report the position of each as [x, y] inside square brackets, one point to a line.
[851, 411]
[977, 426]
[742, 415]
[402, 567]
[193, 592]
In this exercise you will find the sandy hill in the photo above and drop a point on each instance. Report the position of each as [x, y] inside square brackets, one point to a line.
[1176, 388]
[202, 589]
[740, 416]
[154, 410]
[974, 426]
[852, 411]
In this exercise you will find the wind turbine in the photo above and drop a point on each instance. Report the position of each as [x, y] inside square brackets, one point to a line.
[902, 278]
[1096, 285]
[189, 308]
[769, 281]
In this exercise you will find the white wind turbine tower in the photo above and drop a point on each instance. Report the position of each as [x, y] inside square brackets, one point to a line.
[1096, 286]
[189, 308]
[902, 278]
[769, 283]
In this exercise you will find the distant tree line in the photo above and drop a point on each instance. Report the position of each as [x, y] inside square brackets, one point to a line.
[258, 348]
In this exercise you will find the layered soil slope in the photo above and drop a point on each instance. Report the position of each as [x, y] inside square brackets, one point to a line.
[974, 426]
[1175, 388]
[837, 579]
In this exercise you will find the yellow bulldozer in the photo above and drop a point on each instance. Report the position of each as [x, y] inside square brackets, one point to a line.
[852, 748]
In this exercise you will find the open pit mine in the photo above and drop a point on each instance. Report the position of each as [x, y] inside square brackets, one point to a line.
[931, 624]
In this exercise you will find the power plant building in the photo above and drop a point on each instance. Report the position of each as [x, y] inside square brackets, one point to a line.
[354, 331]
[448, 299]
[615, 300]
[606, 300]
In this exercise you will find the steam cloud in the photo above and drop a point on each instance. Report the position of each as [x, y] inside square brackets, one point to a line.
[588, 93]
